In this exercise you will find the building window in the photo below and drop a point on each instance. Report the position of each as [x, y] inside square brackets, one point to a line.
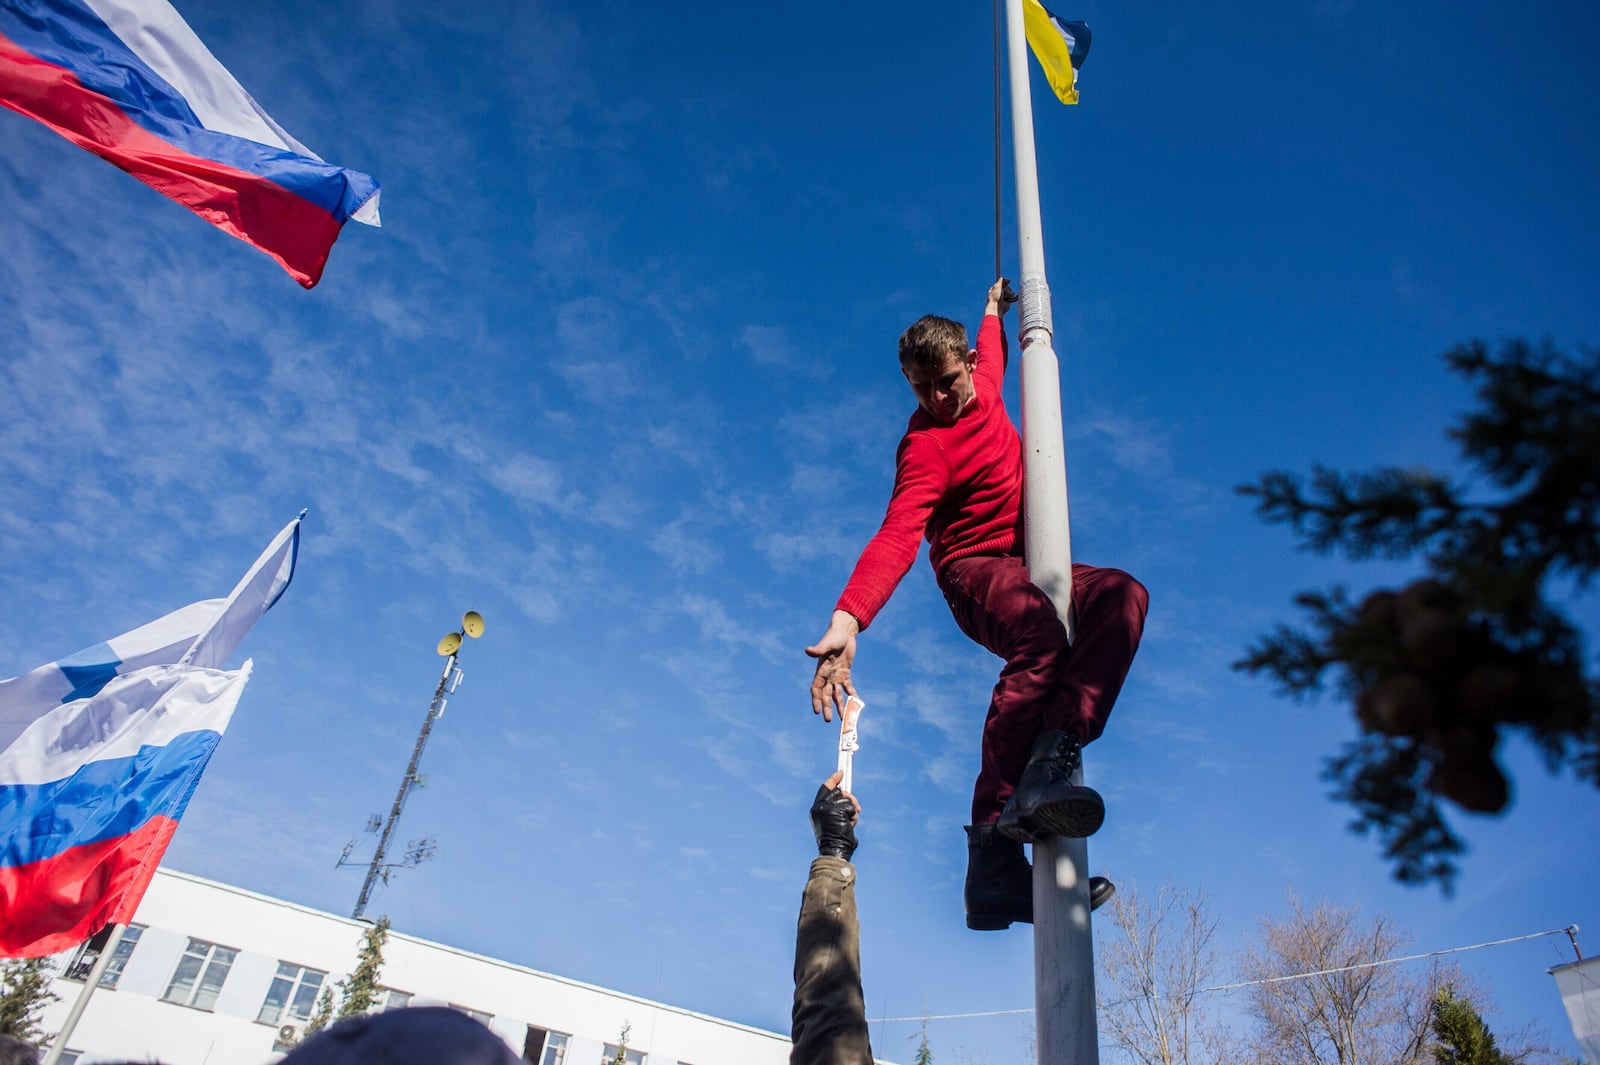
[78, 968]
[199, 976]
[477, 1015]
[632, 1057]
[390, 999]
[293, 994]
[544, 1047]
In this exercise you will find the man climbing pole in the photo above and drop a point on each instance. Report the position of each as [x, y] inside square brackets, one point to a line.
[958, 482]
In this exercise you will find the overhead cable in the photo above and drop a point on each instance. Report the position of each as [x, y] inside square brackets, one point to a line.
[1570, 931]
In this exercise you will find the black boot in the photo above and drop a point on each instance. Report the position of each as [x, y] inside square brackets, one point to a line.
[999, 887]
[999, 881]
[1046, 802]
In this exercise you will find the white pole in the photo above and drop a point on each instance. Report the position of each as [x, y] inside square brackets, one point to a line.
[92, 981]
[1063, 950]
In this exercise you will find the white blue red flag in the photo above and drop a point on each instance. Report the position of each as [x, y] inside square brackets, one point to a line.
[100, 752]
[129, 81]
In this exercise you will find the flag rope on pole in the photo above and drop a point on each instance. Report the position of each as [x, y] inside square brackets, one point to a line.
[999, 266]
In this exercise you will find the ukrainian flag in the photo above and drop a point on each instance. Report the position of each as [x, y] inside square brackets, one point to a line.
[1059, 46]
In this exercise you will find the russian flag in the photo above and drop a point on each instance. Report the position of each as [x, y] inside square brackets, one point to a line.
[100, 752]
[129, 81]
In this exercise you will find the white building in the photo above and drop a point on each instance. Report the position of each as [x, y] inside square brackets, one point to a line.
[211, 974]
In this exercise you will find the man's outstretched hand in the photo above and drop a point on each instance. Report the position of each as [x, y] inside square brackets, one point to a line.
[835, 653]
[833, 818]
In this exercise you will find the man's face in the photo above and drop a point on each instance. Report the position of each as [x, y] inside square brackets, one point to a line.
[943, 393]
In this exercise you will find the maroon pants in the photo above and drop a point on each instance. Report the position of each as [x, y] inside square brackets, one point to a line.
[1045, 684]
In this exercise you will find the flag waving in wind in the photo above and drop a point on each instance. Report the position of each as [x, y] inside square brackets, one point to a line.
[1059, 46]
[129, 81]
[100, 752]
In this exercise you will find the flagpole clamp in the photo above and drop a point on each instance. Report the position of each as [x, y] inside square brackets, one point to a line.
[1036, 308]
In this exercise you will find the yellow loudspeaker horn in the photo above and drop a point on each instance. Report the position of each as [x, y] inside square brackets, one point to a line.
[472, 624]
[449, 643]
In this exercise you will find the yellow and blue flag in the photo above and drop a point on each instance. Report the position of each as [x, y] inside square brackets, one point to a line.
[1059, 46]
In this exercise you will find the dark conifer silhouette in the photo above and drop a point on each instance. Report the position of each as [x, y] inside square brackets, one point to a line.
[1440, 670]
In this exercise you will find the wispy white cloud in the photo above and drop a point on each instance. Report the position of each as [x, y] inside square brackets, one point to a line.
[605, 383]
[1138, 445]
[769, 345]
[526, 478]
[684, 551]
[952, 769]
[794, 752]
[718, 626]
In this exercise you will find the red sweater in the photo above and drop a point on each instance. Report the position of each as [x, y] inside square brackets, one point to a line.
[959, 484]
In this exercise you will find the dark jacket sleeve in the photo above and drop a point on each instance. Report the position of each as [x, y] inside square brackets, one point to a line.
[830, 1015]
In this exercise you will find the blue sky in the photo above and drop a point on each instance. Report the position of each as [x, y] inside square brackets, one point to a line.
[618, 373]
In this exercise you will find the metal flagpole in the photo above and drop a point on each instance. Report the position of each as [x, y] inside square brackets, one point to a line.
[1063, 950]
[59, 1045]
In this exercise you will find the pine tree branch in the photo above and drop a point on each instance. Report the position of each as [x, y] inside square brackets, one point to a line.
[1438, 670]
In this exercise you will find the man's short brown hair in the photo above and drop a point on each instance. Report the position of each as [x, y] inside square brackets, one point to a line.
[932, 339]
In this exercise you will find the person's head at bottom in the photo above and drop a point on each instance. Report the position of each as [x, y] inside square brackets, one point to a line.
[16, 1052]
[418, 1035]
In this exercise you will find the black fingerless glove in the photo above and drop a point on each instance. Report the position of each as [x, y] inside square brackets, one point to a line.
[831, 816]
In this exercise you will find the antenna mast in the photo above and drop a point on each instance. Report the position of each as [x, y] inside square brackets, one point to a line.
[417, 850]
